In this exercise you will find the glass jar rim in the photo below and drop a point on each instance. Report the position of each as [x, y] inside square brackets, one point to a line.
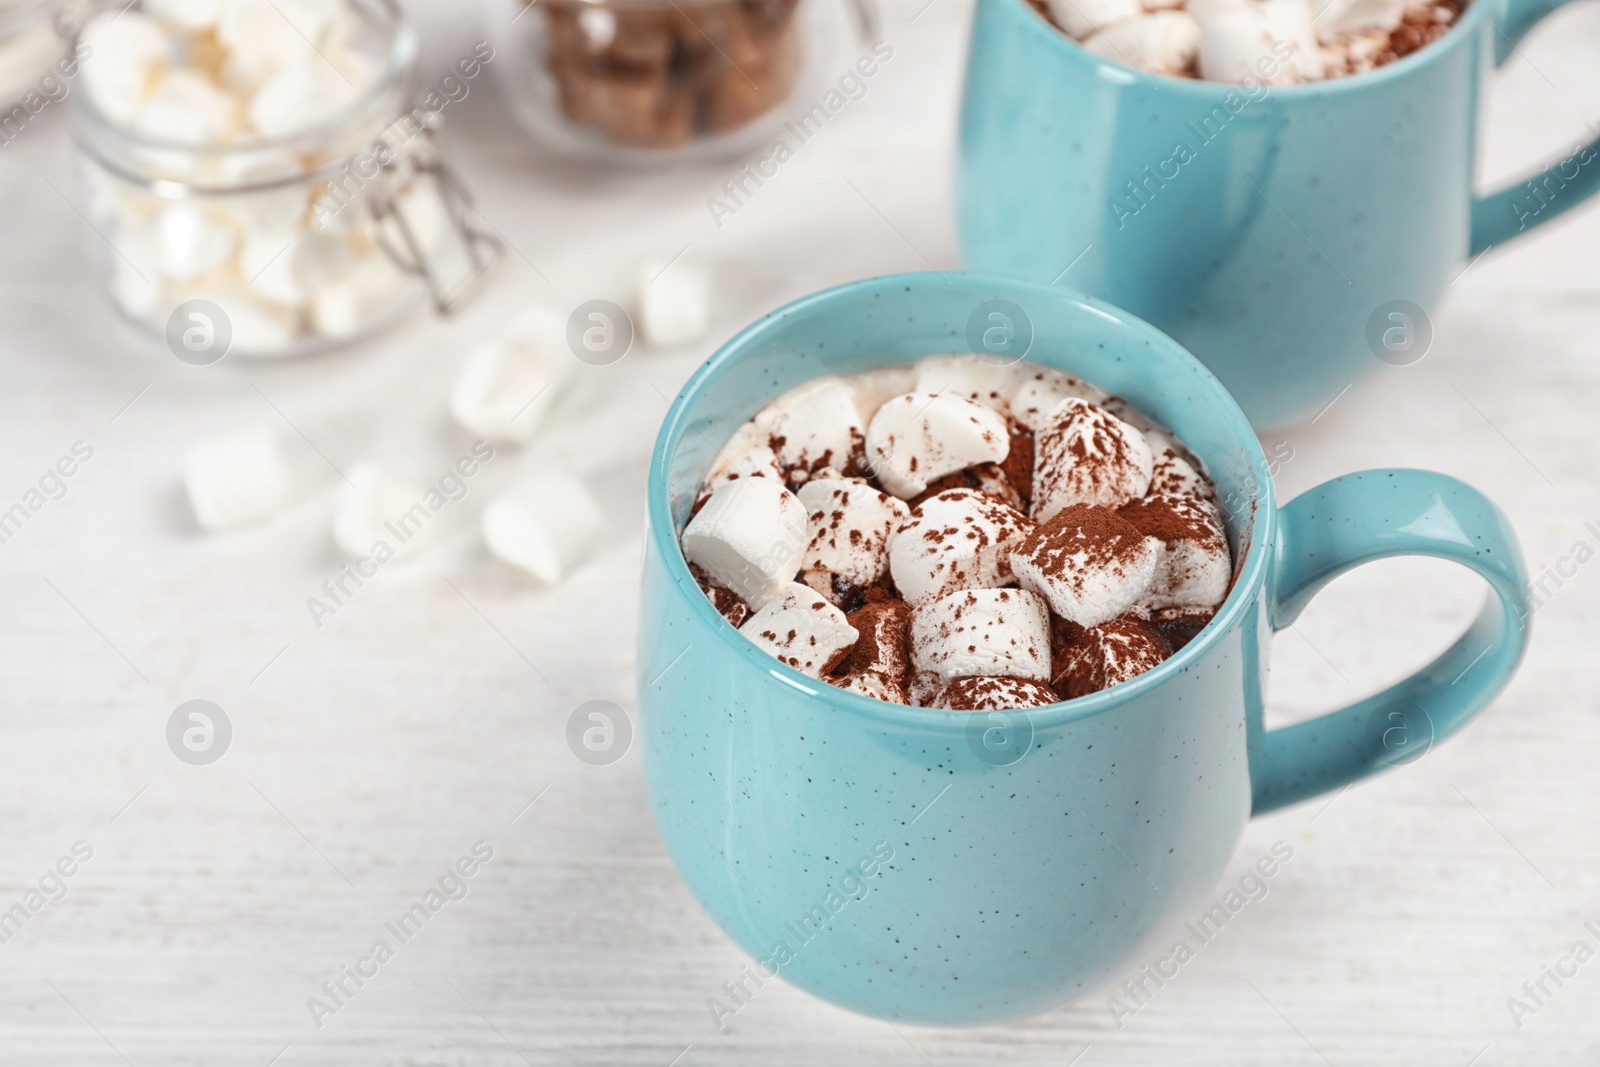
[399, 64]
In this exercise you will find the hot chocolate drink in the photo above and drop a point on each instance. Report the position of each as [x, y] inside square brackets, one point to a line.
[1253, 42]
[957, 535]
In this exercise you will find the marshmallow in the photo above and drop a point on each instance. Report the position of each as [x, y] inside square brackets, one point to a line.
[1195, 568]
[1173, 475]
[1086, 455]
[1339, 19]
[185, 107]
[136, 283]
[301, 94]
[966, 376]
[918, 438]
[674, 301]
[1089, 563]
[1242, 39]
[959, 539]
[193, 241]
[268, 34]
[749, 537]
[545, 527]
[1099, 657]
[1040, 390]
[751, 459]
[1165, 42]
[850, 524]
[370, 289]
[876, 686]
[729, 605]
[124, 52]
[257, 326]
[1083, 17]
[801, 628]
[816, 424]
[883, 649]
[979, 693]
[192, 16]
[506, 388]
[874, 388]
[374, 508]
[233, 481]
[269, 210]
[292, 267]
[993, 632]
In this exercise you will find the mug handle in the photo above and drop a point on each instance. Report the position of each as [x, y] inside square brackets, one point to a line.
[1515, 210]
[1356, 519]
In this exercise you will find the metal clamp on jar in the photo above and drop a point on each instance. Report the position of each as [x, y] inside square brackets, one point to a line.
[253, 160]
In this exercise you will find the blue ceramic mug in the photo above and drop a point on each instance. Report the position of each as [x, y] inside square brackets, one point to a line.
[957, 868]
[1290, 237]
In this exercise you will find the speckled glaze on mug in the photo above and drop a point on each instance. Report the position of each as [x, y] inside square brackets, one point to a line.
[1269, 245]
[952, 868]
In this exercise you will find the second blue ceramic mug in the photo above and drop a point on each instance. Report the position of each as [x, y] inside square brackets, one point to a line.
[957, 868]
[1276, 232]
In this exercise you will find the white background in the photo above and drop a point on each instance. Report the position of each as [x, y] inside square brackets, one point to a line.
[371, 753]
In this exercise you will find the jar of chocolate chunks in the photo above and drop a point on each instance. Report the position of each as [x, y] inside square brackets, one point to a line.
[642, 81]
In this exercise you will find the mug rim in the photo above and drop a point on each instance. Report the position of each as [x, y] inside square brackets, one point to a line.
[1247, 581]
[1349, 83]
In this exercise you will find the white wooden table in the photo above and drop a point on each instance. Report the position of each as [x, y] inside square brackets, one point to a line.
[369, 754]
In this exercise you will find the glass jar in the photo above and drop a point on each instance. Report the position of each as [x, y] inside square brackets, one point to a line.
[647, 81]
[30, 47]
[305, 241]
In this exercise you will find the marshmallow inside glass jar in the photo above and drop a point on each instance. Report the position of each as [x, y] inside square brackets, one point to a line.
[262, 156]
[1030, 540]
[645, 81]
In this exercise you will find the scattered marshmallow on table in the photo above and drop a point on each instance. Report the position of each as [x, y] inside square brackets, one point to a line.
[236, 480]
[750, 537]
[506, 388]
[993, 632]
[919, 438]
[545, 527]
[957, 539]
[1089, 563]
[1086, 455]
[815, 424]
[801, 629]
[374, 507]
[1163, 42]
[850, 523]
[674, 301]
